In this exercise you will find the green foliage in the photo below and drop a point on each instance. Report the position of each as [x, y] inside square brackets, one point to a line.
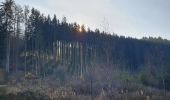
[144, 79]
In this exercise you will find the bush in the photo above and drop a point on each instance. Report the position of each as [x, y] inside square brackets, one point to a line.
[144, 79]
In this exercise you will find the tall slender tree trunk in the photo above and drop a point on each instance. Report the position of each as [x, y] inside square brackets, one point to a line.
[8, 53]
[17, 45]
[25, 57]
[164, 89]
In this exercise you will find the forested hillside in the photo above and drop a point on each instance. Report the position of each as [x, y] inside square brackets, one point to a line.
[39, 46]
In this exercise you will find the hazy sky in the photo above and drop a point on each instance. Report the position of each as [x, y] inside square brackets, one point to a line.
[135, 18]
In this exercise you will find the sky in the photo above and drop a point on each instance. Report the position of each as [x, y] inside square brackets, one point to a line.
[134, 18]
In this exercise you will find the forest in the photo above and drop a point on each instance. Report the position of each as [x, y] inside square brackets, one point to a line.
[38, 51]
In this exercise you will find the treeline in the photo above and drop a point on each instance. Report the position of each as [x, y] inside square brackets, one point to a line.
[32, 42]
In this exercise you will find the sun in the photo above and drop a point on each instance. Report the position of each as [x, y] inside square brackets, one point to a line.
[80, 29]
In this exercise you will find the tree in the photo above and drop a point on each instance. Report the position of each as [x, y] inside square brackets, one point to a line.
[18, 20]
[26, 15]
[7, 9]
[2, 40]
[83, 30]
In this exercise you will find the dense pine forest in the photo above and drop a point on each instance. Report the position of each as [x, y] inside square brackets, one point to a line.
[38, 51]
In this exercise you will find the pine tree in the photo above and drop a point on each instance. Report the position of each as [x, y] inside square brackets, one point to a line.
[3, 37]
[7, 14]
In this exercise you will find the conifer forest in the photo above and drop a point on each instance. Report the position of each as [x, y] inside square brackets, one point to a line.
[43, 57]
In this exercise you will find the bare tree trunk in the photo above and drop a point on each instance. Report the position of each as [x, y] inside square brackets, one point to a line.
[17, 45]
[16, 57]
[25, 57]
[164, 89]
[36, 64]
[8, 53]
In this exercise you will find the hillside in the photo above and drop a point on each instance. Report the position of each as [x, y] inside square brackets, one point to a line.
[41, 53]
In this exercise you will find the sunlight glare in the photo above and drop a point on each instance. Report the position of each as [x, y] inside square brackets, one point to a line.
[80, 29]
